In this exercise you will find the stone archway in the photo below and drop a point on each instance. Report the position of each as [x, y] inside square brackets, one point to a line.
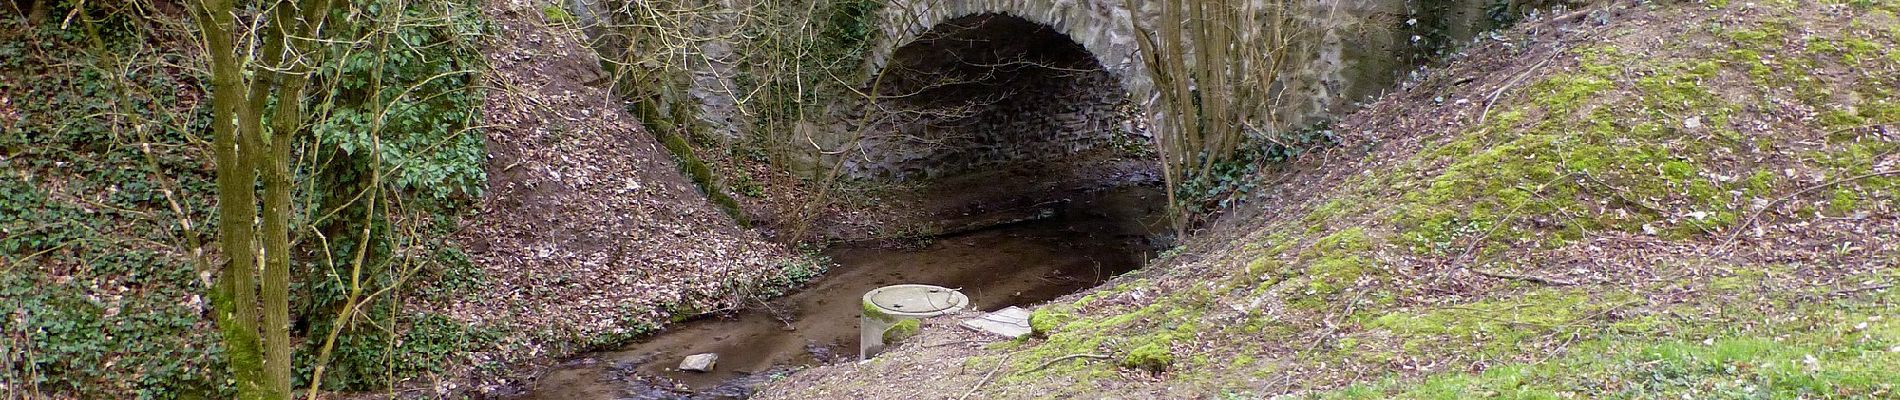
[1104, 27]
[987, 90]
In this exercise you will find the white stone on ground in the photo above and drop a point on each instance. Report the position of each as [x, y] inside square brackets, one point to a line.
[1011, 322]
[702, 362]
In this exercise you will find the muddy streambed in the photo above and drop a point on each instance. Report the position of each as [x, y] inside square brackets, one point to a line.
[1086, 240]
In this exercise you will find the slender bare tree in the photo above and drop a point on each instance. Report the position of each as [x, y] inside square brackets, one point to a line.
[248, 153]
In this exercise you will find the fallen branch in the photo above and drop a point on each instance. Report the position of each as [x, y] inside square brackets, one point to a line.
[776, 314]
[1777, 203]
[1068, 357]
[986, 377]
[955, 343]
[1528, 278]
[1848, 291]
[1493, 99]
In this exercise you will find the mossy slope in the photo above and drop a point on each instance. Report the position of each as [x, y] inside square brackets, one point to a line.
[1638, 201]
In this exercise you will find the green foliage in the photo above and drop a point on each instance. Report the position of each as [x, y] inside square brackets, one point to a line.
[98, 259]
[93, 348]
[809, 265]
[1429, 27]
[425, 344]
[410, 101]
[95, 294]
[803, 50]
[1229, 182]
[850, 25]
[408, 107]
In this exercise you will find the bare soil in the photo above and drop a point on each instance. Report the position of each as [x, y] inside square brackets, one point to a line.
[587, 229]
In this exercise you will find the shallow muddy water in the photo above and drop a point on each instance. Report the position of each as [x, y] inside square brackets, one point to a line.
[1084, 241]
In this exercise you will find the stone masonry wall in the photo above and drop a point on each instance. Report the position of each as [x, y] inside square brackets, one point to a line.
[1351, 50]
[1043, 120]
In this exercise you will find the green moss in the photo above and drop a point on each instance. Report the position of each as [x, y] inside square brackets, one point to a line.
[1847, 355]
[1838, 119]
[1046, 320]
[1762, 182]
[1345, 242]
[1858, 51]
[1756, 37]
[869, 310]
[1852, 159]
[903, 330]
[555, 14]
[1743, 281]
[1495, 327]
[662, 125]
[1334, 263]
[1567, 91]
[1330, 275]
[1587, 148]
[1242, 361]
[1331, 209]
[1153, 357]
[1265, 267]
[1758, 71]
[1842, 202]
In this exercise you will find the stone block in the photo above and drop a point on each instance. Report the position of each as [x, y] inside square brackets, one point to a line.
[702, 362]
[1011, 322]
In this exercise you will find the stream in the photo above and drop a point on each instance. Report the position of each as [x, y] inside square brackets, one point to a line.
[1085, 241]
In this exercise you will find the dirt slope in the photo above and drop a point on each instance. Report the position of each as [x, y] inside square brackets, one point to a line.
[1674, 200]
[588, 233]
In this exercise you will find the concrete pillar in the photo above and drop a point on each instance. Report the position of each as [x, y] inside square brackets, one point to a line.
[891, 313]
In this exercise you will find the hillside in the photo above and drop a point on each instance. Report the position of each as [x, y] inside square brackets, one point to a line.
[1691, 200]
[519, 215]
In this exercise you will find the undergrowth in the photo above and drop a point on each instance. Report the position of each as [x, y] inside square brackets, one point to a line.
[1230, 182]
[103, 162]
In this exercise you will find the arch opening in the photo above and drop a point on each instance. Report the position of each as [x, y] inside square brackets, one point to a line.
[993, 91]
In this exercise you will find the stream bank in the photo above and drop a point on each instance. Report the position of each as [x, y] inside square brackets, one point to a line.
[1079, 243]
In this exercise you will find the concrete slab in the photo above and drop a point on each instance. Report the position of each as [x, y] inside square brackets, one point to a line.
[1011, 322]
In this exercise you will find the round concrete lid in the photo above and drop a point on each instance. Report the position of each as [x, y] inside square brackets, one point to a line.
[917, 301]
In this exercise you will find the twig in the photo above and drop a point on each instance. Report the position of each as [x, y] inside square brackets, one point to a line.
[953, 343]
[1848, 291]
[1068, 357]
[776, 314]
[1332, 328]
[986, 377]
[1530, 278]
[1600, 313]
[1752, 217]
[1513, 82]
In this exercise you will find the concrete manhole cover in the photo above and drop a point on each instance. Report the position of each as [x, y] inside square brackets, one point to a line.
[916, 301]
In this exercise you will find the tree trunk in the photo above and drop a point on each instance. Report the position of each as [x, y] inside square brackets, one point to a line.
[259, 348]
[234, 299]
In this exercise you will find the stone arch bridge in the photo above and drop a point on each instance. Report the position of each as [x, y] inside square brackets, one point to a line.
[1100, 89]
[980, 84]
